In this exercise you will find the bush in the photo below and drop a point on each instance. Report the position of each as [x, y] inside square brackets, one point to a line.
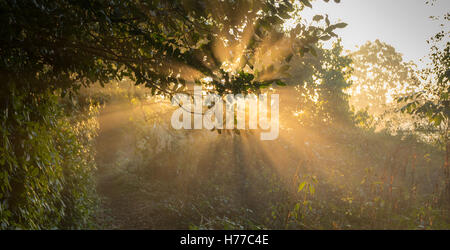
[46, 162]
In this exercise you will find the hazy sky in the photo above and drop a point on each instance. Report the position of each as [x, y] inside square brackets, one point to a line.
[405, 24]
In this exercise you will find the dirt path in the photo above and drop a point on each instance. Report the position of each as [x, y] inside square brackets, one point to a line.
[128, 202]
[117, 204]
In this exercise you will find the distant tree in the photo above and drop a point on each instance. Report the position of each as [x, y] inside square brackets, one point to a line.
[379, 75]
[322, 82]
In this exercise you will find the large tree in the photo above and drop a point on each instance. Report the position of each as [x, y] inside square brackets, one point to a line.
[159, 43]
[47, 46]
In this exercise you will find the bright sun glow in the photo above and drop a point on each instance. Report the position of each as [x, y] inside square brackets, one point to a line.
[207, 79]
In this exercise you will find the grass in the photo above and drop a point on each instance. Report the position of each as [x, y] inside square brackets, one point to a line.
[325, 177]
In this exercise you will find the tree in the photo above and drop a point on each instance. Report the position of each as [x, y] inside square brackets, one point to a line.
[431, 101]
[322, 82]
[66, 44]
[55, 46]
[379, 75]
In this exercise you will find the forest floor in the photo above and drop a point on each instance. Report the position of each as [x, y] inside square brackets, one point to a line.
[118, 204]
[258, 185]
[127, 202]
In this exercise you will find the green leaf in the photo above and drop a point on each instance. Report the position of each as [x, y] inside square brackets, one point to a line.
[317, 18]
[284, 15]
[312, 189]
[340, 25]
[306, 3]
[301, 186]
[280, 83]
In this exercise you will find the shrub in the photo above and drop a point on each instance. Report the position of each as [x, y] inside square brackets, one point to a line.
[46, 163]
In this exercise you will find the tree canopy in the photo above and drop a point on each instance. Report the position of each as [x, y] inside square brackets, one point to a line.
[66, 44]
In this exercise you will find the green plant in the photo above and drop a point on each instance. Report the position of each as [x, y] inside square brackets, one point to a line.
[46, 164]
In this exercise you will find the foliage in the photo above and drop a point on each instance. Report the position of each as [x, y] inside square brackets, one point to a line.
[379, 75]
[321, 83]
[431, 101]
[46, 164]
[68, 44]
[49, 47]
[329, 169]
